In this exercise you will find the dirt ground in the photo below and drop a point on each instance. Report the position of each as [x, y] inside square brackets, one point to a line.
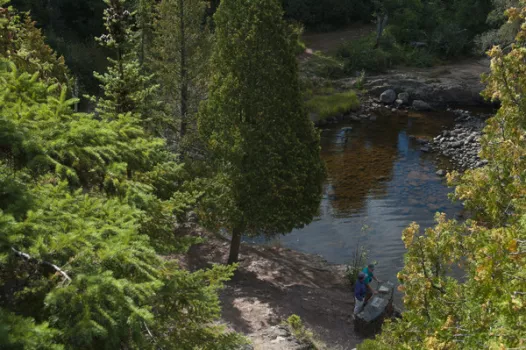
[273, 283]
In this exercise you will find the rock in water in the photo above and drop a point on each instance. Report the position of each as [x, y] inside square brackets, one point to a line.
[380, 306]
[404, 97]
[420, 105]
[441, 173]
[388, 96]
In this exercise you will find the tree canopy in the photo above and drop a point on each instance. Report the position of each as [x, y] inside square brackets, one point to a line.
[267, 150]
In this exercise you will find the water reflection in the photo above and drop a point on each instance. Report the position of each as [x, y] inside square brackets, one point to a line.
[379, 177]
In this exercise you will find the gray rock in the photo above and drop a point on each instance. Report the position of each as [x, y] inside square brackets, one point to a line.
[404, 97]
[425, 149]
[441, 173]
[420, 105]
[388, 96]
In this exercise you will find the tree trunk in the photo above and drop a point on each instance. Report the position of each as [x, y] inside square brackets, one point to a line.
[183, 77]
[381, 23]
[234, 246]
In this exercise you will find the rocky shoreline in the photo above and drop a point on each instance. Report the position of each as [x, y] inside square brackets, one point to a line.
[460, 144]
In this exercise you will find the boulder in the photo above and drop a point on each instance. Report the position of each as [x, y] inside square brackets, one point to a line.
[404, 97]
[441, 173]
[420, 105]
[388, 96]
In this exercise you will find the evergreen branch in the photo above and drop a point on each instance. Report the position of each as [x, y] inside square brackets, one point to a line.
[41, 262]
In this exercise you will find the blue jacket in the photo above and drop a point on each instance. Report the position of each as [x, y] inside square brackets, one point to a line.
[359, 290]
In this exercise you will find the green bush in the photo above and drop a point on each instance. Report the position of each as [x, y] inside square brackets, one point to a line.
[356, 265]
[302, 334]
[361, 55]
[325, 106]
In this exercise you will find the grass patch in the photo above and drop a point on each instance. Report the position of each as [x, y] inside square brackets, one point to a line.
[325, 106]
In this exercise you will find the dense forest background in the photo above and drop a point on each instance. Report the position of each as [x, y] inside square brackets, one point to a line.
[447, 28]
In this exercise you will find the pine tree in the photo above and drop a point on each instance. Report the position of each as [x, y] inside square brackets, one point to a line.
[180, 59]
[126, 86]
[267, 150]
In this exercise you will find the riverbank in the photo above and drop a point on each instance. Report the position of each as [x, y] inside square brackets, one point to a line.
[271, 284]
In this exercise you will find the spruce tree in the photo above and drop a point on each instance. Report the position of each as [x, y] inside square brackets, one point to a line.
[265, 148]
[180, 59]
[84, 202]
[126, 87]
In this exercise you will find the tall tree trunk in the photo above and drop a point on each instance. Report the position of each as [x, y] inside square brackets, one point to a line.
[234, 245]
[184, 72]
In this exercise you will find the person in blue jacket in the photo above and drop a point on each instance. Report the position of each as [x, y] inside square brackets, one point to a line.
[359, 293]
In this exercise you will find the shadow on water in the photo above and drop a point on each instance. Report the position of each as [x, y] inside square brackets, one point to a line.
[379, 178]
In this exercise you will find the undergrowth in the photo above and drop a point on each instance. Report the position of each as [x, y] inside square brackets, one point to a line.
[302, 334]
[325, 106]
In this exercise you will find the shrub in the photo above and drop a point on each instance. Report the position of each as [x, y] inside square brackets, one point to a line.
[302, 334]
[356, 265]
[325, 106]
[361, 55]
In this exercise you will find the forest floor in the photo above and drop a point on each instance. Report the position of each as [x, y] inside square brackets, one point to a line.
[271, 284]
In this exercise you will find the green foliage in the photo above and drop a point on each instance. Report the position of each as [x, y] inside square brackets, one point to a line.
[485, 309]
[22, 333]
[361, 55]
[302, 334]
[22, 43]
[328, 14]
[179, 58]
[84, 201]
[356, 265]
[324, 106]
[266, 151]
[323, 66]
[126, 87]
[70, 28]
[447, 28]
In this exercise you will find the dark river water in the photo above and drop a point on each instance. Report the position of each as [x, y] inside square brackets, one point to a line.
[379, 181]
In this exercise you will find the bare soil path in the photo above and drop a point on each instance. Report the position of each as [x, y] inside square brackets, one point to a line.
[273, 283]
[330, 41]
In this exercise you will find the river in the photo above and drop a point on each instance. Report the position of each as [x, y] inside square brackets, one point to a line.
[379, 181]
